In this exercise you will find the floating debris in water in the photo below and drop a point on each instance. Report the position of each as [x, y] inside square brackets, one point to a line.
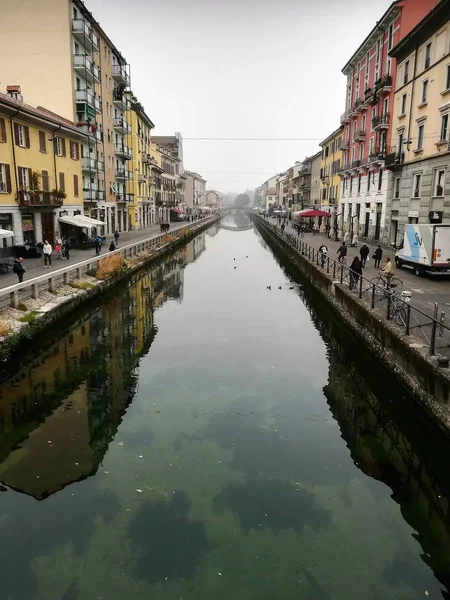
[120, 443]
[140, 456]
[218, 573]
[140, 491]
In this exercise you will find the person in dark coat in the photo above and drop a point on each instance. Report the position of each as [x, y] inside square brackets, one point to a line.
[342, 252]
[355, 272]
[364, 253]
[377, 256]
[112, 246]
[98, 245]
[18, 268]
[66, 246]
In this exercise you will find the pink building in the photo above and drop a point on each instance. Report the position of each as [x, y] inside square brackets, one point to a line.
[367, 122]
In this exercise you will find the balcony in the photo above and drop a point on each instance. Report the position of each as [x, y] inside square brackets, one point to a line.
[119, 73]
[384, 84]
[145, 158]
[124, 151]
[356, 165]
[142, 178]
[347, 168]
[345, 144]
[100, 166]
[86, 67]
[120, 101]
[359, 105]
[32, 199]
[370, 96]
[345, 118]
[123, 173]
[82, 31]
[380, 122]
[93, 195]
[376, 156]
[359, 136]
[83, 97]
[88, 163]
[121, 126]
[125, 197]
[394, 160]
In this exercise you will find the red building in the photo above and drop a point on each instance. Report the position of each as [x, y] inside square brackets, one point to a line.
[367, 121]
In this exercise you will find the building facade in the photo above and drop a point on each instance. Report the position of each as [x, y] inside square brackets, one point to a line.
[419, 190]
[213, 199]
[91, 77]
[194, 192]
[330, 169]
[367, 121]
[40, 171]
[316, 162]
[141, 207]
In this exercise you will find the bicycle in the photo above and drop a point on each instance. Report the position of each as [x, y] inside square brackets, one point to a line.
[383, 286]
[397, 310]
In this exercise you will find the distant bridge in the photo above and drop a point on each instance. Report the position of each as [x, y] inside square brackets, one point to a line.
[230, 228]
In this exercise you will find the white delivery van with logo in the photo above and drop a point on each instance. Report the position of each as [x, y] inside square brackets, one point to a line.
[425, 248]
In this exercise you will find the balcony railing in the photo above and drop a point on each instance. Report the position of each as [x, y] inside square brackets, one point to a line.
[142, 178]
[370, 96]
[356, 164]
[359, 136]
[89, 164]
[384, 84]
[81, 29]
[38, 199]
[345, 144]
[394, 160]
[119, 73]
[87, 67]
[123, 150]
[359, 104]
[93, 194]
[121, 125]
[121, 101]
[380, 122]
[84, 96]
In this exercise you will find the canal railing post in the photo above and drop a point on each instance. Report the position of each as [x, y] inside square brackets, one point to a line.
[433, 330]
[342, 273]
[372, 304]
[334, 269]
[388, 314]
[441, 326]
[408, 318]
[360, 287]
[328, 264]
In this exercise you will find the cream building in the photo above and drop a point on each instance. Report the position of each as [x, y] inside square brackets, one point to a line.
[89, 76]
[420, 159]
[330, 168]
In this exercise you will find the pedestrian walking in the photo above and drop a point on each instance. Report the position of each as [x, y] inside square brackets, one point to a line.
[355, 272]
[342, 252]
[18, 268]
[364, 253]
[98, 245]
[387, 271]
[116, 238]
[112, 246]
[282, 227]
[298, 229]
[66, 247]
[47, 249]
[377, 256]
[323, 251]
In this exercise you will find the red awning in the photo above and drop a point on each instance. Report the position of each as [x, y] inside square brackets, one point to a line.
[177, 210]
[314, 213]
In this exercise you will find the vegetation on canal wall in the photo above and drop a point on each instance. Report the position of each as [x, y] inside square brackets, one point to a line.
[429, 383]
[111, 270]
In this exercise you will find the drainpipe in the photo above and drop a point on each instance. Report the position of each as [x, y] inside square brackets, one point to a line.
[13, 144]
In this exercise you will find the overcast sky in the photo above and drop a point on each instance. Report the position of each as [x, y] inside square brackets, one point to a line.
[240, 68]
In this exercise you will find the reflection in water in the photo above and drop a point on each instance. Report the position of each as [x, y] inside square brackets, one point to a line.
[248, 449]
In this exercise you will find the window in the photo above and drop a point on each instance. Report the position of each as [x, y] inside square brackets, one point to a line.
[368, 181]
[45, 181]
[74, 151]
[397, 187]
[427, 56]
[403, 104]
[60, 146]
[400, 141]
[75, 185]
[448, 78]
[25, 177]
[380, 179]
[42, 142]
[351, 183]
[359, 183]
[417, 181]
[391, 36]
[439, 181]
[2, 130]
[5, 179]
[444, 128]
[62, 183]
[363, 123]
[378, 51]
[22, 135]
[424, 90]
[406, 72]
[420, 133]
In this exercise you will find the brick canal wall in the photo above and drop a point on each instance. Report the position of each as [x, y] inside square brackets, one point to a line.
[420, 373]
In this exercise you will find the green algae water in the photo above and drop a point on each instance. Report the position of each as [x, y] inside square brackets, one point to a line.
[198, 435]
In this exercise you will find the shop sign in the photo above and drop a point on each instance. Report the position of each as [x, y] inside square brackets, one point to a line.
[27, 222]
[435, 216]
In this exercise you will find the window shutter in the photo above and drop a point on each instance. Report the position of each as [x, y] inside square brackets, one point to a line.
[75, 185]
[8, 179]
[42, 142]
[30, 177]
[71, 150]
[77, 150]
[2, 130]
[63, 145]
[19, 169]
[16, 134]
[27, 136]
[62, 185]
[45, 181]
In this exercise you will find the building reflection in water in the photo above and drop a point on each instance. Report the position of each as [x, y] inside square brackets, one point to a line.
[60, 412]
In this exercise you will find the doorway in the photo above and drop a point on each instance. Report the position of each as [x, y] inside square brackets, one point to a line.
[394, 231]
[366, 225]
[47, 227]
[378, 226]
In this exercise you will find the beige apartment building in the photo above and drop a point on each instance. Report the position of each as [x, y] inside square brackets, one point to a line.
[77, 73]
[419, 190]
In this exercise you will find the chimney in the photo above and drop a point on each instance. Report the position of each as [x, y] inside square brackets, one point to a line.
[15, 92]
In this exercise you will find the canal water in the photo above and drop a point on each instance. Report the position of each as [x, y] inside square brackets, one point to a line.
[211, 430]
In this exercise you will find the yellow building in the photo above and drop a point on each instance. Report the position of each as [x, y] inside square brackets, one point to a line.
[40, 171]
[330, 181]
[141, 208]
[419, 190]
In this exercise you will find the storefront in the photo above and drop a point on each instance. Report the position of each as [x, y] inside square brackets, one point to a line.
[6, 244]
[28, 229]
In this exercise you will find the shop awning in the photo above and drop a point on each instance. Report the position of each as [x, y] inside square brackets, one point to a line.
[80, 221]
[177, 210]
[5, 233]
[91, 222]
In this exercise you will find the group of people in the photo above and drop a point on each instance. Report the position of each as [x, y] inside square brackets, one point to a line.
[359, 263]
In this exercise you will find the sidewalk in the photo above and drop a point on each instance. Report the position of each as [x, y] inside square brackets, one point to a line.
[35, 266]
